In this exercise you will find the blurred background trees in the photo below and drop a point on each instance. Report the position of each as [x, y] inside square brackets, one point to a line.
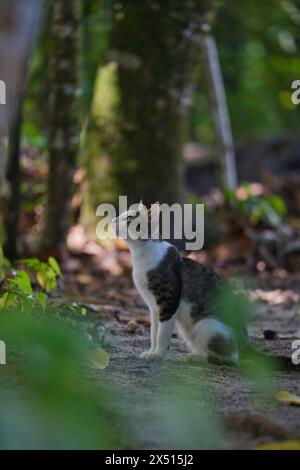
[63, 120]
[118, 102]
[158, 100]
[18, 29]
[141, 98]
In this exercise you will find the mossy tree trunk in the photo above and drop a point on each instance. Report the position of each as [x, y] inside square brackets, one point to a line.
[63, 128]
[138, 115]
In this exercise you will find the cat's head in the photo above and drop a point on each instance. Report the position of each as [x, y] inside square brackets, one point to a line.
[138, 222]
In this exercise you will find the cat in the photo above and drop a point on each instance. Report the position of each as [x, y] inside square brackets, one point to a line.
[177, 290]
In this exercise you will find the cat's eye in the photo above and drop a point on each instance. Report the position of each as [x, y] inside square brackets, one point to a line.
[130, 218]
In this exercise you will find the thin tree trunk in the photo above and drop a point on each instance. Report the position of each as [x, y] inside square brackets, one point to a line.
[63, 135]
[213, 73]
[13, 180]
[18, 28]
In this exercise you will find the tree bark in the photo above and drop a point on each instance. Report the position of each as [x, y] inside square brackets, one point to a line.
[63, 134]
[18, 29]
[13, 180]
[138, 116]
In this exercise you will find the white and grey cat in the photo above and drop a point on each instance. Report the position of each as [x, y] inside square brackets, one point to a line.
[178, 290]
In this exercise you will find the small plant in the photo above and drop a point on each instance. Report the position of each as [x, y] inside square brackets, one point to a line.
[46, 273]
[4, 265]
[269, 209]
[49, 405]
[17, 287]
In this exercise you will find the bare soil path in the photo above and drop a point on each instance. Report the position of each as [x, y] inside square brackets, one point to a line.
[176, 404]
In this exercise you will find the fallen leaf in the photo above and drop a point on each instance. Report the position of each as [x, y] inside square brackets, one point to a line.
[84, 278]
[281, 445]
[98, 358]
[288, 398]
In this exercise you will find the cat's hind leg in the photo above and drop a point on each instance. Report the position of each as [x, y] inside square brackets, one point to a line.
[217, 340]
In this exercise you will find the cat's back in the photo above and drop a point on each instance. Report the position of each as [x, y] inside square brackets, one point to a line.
[198, 273]
[199, 285]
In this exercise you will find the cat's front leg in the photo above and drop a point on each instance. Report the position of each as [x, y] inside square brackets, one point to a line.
[154, 328]
[164, 335]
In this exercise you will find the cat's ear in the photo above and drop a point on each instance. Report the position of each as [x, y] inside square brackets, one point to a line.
[141, 206]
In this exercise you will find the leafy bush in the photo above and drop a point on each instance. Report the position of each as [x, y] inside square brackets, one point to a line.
[47, 405]
[17, 285]
[42, 385]
[269, 209]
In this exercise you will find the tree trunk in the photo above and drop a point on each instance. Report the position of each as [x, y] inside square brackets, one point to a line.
[63, 133]
[138, 115]
[18, 28]
[13, 180]
[215, 85]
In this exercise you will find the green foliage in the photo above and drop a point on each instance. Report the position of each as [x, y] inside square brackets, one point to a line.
[96, 26]
[95, 30]
[50, 407]
[258, 44]
[47, 405]
[104, 120]
[269, 209]
[236, 311]
[233, 307]
[257, 368]
[77, 308]
[46, 273]
[183, 415]
[18, 290]
[32, 136]
[4, 265]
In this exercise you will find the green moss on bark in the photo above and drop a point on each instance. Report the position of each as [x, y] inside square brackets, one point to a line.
[138, 116]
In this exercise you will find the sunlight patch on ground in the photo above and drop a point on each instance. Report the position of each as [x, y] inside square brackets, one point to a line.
[275, 297]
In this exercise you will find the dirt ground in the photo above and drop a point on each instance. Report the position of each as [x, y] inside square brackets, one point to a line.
[178, 404]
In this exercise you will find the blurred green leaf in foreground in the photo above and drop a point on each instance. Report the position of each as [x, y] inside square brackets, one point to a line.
[44, 402]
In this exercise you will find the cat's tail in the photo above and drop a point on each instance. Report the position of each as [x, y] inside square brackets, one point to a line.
[218, 342]
[223, 345]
